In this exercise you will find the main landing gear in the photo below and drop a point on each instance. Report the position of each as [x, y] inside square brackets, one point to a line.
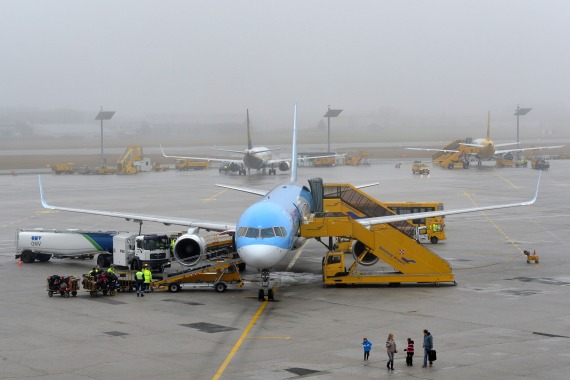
[265, 285]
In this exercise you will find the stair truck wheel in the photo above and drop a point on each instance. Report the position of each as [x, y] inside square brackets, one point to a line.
[434, 239]
[220, 287]
[174, 287]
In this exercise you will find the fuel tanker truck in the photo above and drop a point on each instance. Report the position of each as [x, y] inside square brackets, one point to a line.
[112, 247]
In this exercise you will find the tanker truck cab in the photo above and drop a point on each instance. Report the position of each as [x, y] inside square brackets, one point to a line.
[133, 251]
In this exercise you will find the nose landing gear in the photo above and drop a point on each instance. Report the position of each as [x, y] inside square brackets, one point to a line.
[265, 285]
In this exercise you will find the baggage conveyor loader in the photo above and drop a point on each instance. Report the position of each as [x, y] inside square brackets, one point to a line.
[214, 274]
[392, 243]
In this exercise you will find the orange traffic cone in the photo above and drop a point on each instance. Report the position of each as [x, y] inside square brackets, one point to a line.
[19, 263]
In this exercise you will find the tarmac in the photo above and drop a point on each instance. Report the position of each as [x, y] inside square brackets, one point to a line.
[504, 319]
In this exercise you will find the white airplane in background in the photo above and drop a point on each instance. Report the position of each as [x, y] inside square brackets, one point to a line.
[486, 149]
[268, 229]
[258, 158]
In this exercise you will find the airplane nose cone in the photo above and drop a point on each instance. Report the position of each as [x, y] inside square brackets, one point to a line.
[260, 256]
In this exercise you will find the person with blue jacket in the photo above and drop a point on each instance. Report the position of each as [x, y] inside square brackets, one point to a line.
[428, 346]
[367, 345]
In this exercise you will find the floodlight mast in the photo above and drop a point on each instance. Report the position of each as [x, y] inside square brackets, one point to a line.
[520, 112]
[103, 115]
[330, 113]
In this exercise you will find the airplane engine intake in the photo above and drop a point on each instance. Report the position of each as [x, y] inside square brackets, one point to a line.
[358, 249]
[284, 166]
[189, 249]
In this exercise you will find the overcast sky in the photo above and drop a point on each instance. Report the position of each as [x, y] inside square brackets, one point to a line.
[143, 57]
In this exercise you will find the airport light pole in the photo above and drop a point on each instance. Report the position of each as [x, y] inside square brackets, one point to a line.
[330, 113]
[520, 112]
[103, 115]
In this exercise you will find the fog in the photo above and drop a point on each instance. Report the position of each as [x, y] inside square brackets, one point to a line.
[403, 69]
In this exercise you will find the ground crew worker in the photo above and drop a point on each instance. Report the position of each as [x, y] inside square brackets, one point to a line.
[147, 278]
[140, 283]
[111, 270]
[95, 271]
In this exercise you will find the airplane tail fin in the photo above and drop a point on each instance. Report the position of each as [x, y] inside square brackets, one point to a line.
[294, 158]
[489, 125]
[249, 144]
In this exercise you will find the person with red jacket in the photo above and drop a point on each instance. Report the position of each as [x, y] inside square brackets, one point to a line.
[409, 352]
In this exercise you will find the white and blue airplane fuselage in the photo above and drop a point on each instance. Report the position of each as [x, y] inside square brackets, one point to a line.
[267, 230]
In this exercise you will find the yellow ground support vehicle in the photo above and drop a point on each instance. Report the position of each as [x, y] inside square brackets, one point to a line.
[68, 168]
[324, 162]
[184, 164]
[419, 167]
[215, 274]
[435, 226]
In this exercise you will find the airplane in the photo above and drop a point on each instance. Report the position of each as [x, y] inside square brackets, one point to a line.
[258, 158]
[268, 229]
[485, 148]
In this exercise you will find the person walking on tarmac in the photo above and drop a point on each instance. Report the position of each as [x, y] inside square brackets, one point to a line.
[428, 346]
[390, 350]
[367, 345]
[147, 278]
[140, 283]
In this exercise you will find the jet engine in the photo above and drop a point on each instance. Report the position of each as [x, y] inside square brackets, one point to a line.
[358, 249]
[284, 166]
[189, 249]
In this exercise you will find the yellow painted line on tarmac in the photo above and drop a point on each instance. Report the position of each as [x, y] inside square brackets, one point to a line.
[507, 181]
[213, 197]
[503, 233]
[236, 347]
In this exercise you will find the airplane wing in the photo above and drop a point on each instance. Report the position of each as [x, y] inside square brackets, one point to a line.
[434, 149]
[367, 222]
[525, 149]
[210, 226]
[244, 189]
[203, 158]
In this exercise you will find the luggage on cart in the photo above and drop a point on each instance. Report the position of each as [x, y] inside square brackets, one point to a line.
[64, 285]
[101, 283]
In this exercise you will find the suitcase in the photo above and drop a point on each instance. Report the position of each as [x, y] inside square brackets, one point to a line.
[432, 355]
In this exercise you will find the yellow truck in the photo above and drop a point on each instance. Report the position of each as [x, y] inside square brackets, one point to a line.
[68, 168]
[185, 164]
[419, 167]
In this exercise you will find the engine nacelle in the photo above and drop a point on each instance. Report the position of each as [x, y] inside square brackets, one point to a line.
[358, 249]
[189, 249]
[284, 166]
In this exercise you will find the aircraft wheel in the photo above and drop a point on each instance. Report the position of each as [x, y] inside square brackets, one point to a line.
[536, 261]
[270, 295]
[220, 287]
[173, 288]
[528, 261]
[261, 295]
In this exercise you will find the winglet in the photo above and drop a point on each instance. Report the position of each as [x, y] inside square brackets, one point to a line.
[536, 192]
[44, 202]
[162, 150]
[294, 158]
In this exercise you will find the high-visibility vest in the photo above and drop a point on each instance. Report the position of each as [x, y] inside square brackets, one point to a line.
[147, 276]
[140, 275]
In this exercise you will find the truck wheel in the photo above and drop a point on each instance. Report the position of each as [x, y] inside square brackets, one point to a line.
[220, 287]
[434, 239]
[174, 287]
[241, 267]
[28, 257]
[102, 260]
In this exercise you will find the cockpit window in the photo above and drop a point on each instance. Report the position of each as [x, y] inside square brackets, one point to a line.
[263, 233]
[252, 232]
